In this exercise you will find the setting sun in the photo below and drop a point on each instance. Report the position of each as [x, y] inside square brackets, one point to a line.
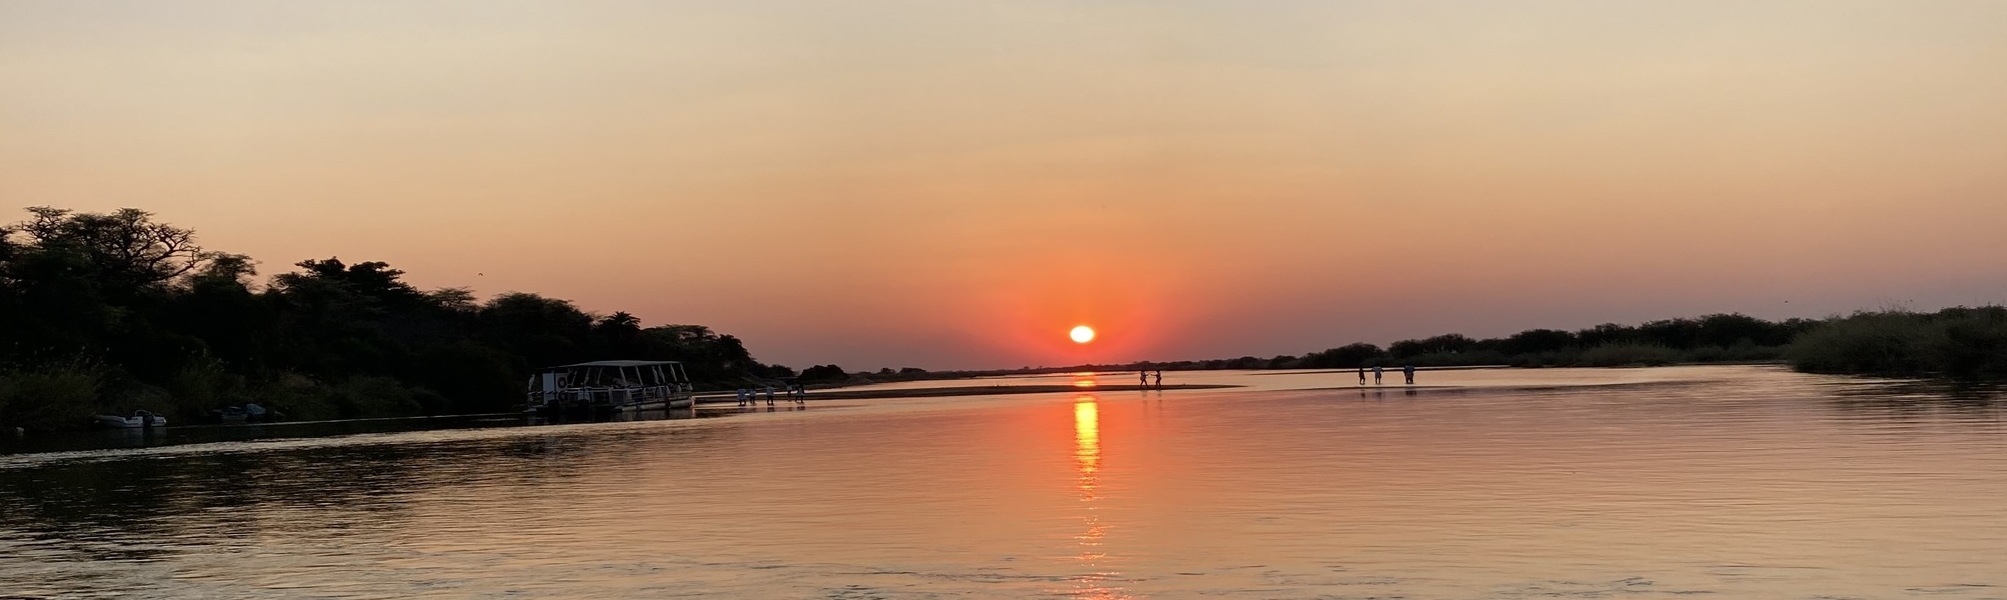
[1082, 334]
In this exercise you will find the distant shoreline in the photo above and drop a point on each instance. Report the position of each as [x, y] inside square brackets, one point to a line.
[1376, 389]
[970, 390]
[844, 393]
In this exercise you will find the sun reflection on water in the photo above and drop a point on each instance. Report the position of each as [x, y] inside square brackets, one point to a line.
[1087, 462]
[1087, 442]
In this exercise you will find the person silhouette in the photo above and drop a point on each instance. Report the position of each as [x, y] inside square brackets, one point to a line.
[1377, 372]
[1143, 379]
[1409, 370]
[1362, 375]
[1159, 379]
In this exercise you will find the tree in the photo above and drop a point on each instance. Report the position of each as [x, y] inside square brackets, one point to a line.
[1343, 357]
[1533, 341]
[374, 281]
[1607, 333]
[165, 325]
[824, 374]
[543, 331]
[1733, 329]
[86, 283]
[124, 248]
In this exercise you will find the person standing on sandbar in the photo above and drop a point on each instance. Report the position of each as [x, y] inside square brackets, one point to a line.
[1159, 379]
[1362, 375]
[1377, 372]
[1409, 371]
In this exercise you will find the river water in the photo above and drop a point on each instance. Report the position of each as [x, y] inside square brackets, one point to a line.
[1741, 482]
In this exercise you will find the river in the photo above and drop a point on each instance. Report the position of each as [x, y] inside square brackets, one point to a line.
[1740, 482]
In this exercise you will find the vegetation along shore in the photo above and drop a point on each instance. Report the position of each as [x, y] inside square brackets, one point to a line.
[117, 312]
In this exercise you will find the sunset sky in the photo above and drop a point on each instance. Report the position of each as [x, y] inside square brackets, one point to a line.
[956, 185]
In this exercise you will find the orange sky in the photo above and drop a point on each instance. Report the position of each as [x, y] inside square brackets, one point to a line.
[925, 184]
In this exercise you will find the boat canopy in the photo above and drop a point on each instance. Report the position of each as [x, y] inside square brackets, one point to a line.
[611, 364]
[617, 364]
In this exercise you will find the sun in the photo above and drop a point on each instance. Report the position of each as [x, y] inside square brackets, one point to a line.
[1081, 334]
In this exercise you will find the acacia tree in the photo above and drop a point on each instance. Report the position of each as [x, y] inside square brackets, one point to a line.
[123, 248]
[84, 283]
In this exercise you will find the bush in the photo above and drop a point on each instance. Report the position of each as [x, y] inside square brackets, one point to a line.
[823, 374]
[1448, 359]
[373, 396]
[202, 386]
[294, 397]
[1343, 357]
[1628, 355]
[297, 398]
[1971, 346]
[468, 378]
[57, 397]
[1890, 343]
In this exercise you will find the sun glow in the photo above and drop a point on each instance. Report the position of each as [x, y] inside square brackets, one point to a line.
[1082, 334]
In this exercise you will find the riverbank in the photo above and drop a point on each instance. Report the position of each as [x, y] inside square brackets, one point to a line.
[967, 390]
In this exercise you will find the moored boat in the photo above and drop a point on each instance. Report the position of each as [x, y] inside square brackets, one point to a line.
[250, 412]
[623, 385]
[139, 419]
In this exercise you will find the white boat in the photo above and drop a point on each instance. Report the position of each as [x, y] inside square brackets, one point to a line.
[139, 419]
[611, 385]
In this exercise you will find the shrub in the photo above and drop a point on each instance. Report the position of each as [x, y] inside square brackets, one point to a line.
[373, 396]
[204, 385]
[1883, 343]
[58, 397]
[1628, 355]
[294, 396]
[1970, 346]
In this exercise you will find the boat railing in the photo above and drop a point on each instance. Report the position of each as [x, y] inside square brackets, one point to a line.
[619, 395]
[611, 394]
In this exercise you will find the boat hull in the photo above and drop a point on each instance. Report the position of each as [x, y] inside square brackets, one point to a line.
[112, 422]
[658, 404]
[139, 421]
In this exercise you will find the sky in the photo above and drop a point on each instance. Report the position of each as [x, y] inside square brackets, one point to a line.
[956, 185]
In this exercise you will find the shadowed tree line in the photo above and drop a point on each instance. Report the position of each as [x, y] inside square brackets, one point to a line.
[1956, 343]
[117, 312]
[1712, 338]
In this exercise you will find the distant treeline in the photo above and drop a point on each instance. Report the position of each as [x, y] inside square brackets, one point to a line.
[110, 313]
[1713, 338]
[1960, 343]
[117, 312]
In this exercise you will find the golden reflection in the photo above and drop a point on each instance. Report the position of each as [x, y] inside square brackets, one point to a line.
[1084, 380]
[1087, 441]
[1087, 461]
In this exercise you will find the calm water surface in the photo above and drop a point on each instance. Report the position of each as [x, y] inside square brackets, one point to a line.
[1743, 482]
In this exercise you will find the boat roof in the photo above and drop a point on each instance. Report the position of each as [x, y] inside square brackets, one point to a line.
[619, 363]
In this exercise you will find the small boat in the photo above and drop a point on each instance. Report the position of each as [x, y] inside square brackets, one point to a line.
[117, 422]
[621, 385]
[249, 412]
[139, 419]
